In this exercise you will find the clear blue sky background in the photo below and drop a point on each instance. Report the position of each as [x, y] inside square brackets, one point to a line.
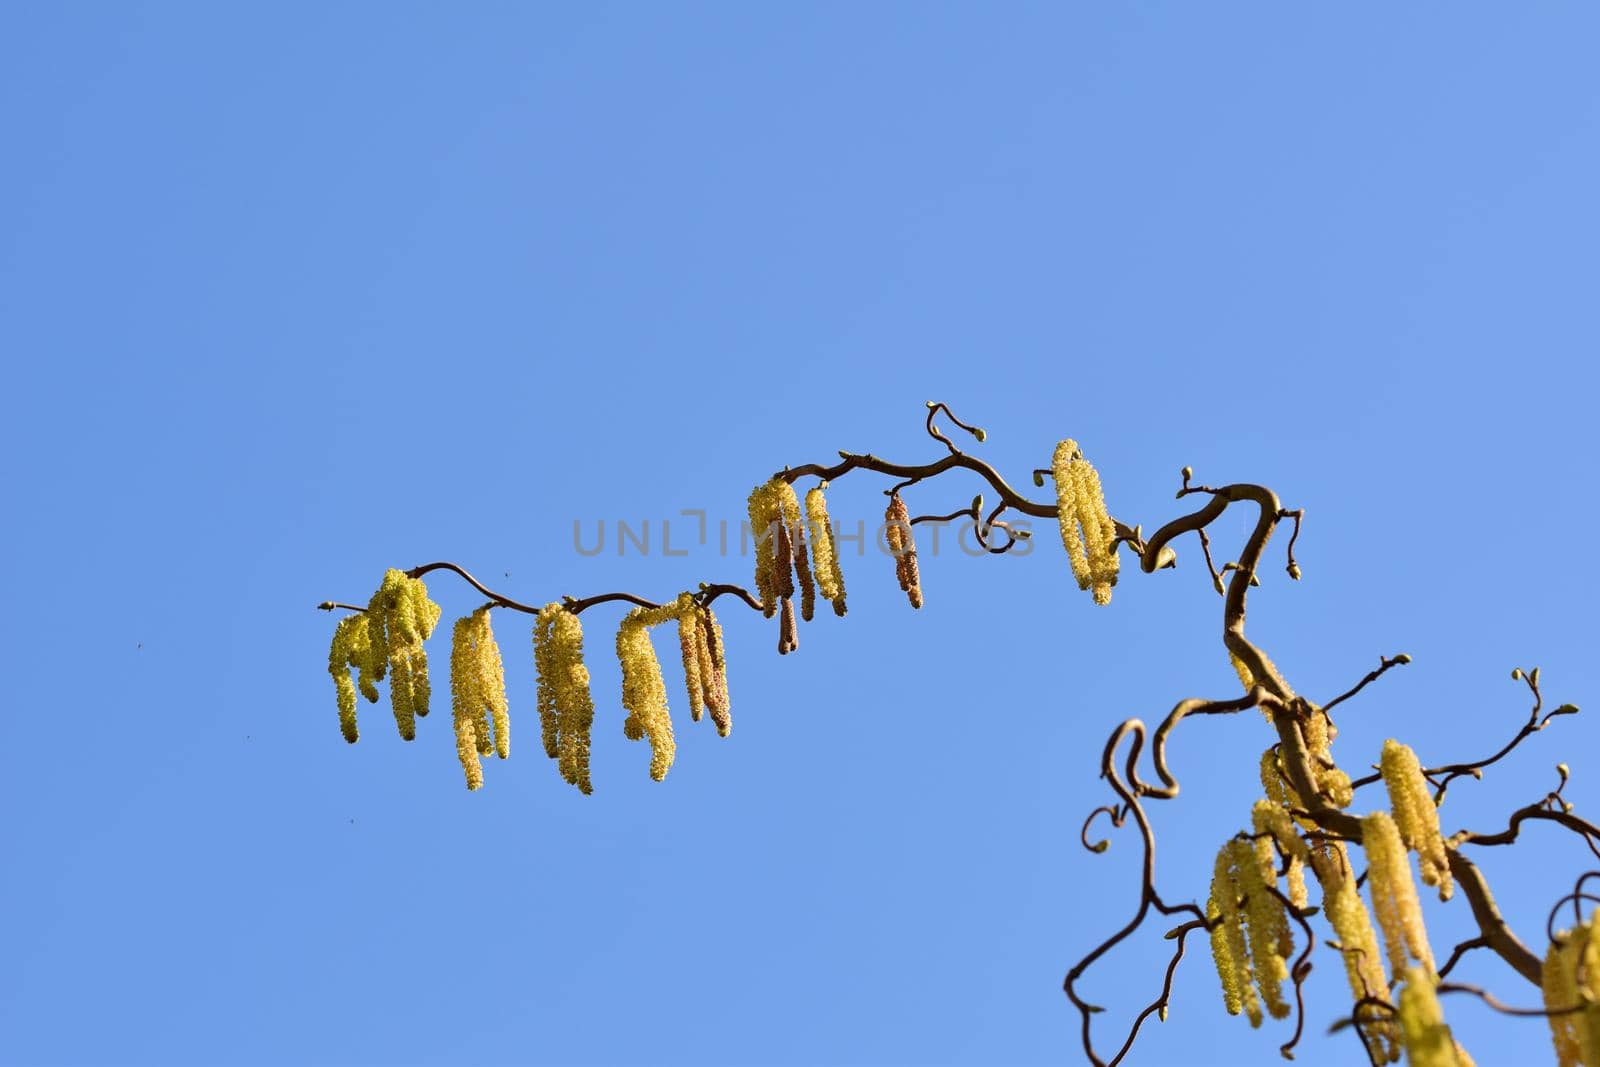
[293, 293]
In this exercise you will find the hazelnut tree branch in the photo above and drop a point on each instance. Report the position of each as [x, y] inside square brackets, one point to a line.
[1291, 717]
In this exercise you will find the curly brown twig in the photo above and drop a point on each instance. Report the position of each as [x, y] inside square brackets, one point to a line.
[1384, 665]
[1500, 1006]
[1297, 973]
[1451, 772]
[1130, 789]
[1461, 950]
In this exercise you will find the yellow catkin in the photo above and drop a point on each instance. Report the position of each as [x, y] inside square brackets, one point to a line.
[1394, 894]
[1415, 814]
[1228, 948]
[824, 549]
[1319, 733]
[1270, 818]
[689, 648]
[1427, 1039]
[492, 669]
[574, 706]
[703, 664]
[717, 702]
[1266, 922]
[1585, 955]
[545, 686]
[1245, 678]
[766, 520]
[1098, 531]
[478, 695]
[1561, 993]
[644, 693]
[1087, 529]
[1335, 784]
[1067, 510]
[465, 700]
[897, 531]
[1272, 780]
[1358, 942]
[350, 648]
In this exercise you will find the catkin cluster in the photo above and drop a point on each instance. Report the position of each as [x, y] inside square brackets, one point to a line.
[1086, 527]
[1250, 936]
[705, 673]
[388, 641]
[1427, 1039]
[644, 693]
[1415, 814]
[1268, 817]
[1394, 894]
[781, 558]
[478, 695]
[824, 549]
[351, 648]
[897, 531]
[1572, 978]
[566, 708]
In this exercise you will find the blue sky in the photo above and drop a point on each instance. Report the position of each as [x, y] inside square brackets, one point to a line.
[293, 293]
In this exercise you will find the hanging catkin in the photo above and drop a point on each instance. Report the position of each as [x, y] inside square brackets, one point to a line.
[897, 531]
[1087, 530]
[825, 549]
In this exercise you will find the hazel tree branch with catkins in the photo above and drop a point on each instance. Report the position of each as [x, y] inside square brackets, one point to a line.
[1259, 907]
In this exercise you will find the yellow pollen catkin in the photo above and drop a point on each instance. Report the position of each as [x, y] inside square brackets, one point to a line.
[766, 523]
[1335, 784]
[1394, 894]
[1560, 987]
[1358, 942]
[644, 693]
[1098, 531]
[1245, 678]
[350, 648]
[574, 706]
[897, 531]
[1571, 979]
[545, 688]
[1270, 818]
[1266, 922]
[704, 665]
[825, 550]
[478, 695]
[689, 649]
[1427, 1039]
[1415, 814]
[1228, 948]
[462, 683]
[1087, 530]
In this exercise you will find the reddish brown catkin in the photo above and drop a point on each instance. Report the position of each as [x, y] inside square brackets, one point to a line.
[802, 573]
[897, 527]
[708, 674]
[721, 711]
[783, 565]
[788, 634]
